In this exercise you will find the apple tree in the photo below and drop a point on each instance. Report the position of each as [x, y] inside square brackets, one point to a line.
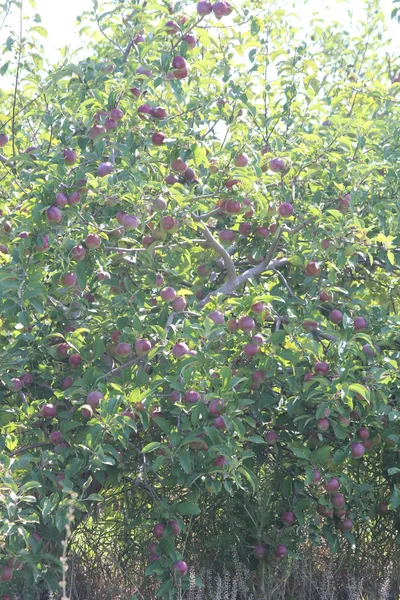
[199, 281]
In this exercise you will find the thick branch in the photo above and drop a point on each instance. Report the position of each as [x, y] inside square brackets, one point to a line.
[126, 365]
[228, 262]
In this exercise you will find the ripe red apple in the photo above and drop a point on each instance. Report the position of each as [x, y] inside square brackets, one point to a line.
[175, 396]
[277, 165]
[178, 62]
[216, 407]
[75, 360]
[246, 323]
[245, 229]
[93, 399]
[158, 530]
[203, 8]
[48, 411]
[123, 349]
[271, 437]
[190, 40]
[220, 461]
[226, 236]
[69, 279]
[56, 437]
[130, 222]
[241, 160]
[104, 168]
[179, 303]
[219, 423]
[159, 113]
[369, 350]
[27, 379]
[174, 526]
[325, 296]
[171, 27]
[321, 368]
[158, 138]
[357, 449]
[180, 349]
[337, 500]
[180, 568]
[3, 249]
[78, 253]
[332, 485]
[251, 350]
[258, 376]
[116, 114]
[69, 156]
[363, 433]
[92, 241]
[217, 317]
[335, 316]
[179, 165]
[260, 551]
[6, 573]
[171, 179]
[96, 131]
[168, 294]
[61, 200]
[288, 518]
[285, 209]
[346, 525]
[167, 223]
[316, 476]
[344, 203]
[4, 138]
[257, 339]
[231, 207]
[281, 551]
[323, 424]
[191, 397]
[344, 421]
[110, 124]
[63, 349]
[313, 268]
[310, 325]
[54, 214]
[145, 109]
[220, 9]
[143, 346]
[67, 382]
[360, 324]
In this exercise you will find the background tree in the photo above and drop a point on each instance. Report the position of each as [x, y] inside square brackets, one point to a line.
[199, 282]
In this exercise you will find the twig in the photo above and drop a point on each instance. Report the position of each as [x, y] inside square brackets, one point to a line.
[127, 51]
[126, 365]
[30, 447]
[285, 283]
[205, 216]
[228, 262]
[169, 322]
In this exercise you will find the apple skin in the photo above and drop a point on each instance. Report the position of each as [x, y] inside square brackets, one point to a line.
[260, 551]
[323, 424]
[271, 437]
[204, 8]
[220, 461]
[56, 437]
[321, 368]
[123, 349]
[48, 411]
[346, 525]
[285, 209]
[93, 241]
[382, 508]
[360, 324]
[104, 168]
[312, 268]
[70, 156]
[168, 294]
[332, 485]
[220, 9]
[6, 573]
[288, 518]
[143, 346]
[357, 449]
[337, 500]
[54, 214]
[216, 407]
[277, 165]
[190, 40]
[178, 165]
[281, 551]
[246, 323]
[158, 530]
[4, 139]
[180, 568]
[180, 349]
[335, 316]
[241, 160]
[158, 138]
[179, 304]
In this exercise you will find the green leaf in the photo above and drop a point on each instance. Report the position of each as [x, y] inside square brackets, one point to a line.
[40, 30]
[187, 508]
[150, 447]
[185, 460]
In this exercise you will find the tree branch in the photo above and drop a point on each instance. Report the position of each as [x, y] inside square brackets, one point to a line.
[30, 447]
[228, 262]
[126, 365]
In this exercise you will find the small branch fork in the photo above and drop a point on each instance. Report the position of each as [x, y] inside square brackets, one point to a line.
[234, 280]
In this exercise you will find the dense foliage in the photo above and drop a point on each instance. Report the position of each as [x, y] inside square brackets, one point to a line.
[199, 282]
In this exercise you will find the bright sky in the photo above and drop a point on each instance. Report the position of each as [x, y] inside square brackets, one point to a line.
[59, 18]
